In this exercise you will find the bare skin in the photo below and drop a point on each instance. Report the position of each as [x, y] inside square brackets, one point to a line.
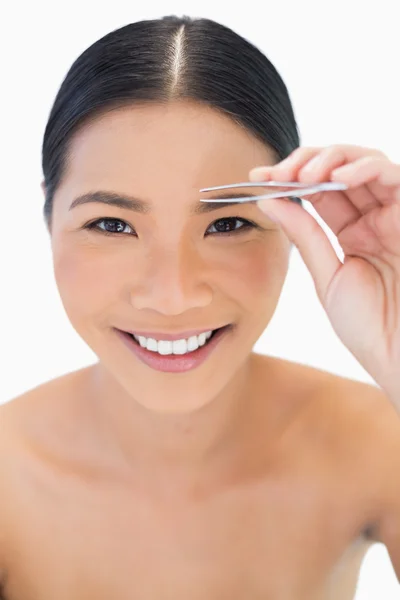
[246, 477]
[287, 517]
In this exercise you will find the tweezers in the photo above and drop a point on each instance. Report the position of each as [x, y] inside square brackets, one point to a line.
[301, 190]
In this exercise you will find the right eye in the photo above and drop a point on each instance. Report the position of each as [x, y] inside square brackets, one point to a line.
[111, 226]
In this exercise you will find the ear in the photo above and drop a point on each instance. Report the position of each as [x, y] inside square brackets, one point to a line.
[48, 225]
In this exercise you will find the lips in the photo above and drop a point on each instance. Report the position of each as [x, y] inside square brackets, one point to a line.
[174, 363]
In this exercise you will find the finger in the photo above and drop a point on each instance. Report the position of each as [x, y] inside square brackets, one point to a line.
[335, 209]
[317, 162]
[379, 173]
[284, 170]
[320, 167]
[308, 236]
[364, 193]
[340, 209]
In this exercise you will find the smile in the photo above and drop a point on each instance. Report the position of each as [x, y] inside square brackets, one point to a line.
[174, 355]
[181, 346]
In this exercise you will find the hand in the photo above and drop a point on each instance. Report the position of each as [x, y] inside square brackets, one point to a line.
[361, 296]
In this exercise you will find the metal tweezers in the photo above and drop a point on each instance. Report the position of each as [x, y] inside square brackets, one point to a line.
[301, 190]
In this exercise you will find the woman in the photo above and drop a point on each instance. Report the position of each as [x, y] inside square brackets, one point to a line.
[181, 464]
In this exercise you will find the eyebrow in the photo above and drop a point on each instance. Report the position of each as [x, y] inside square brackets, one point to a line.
[141, 206]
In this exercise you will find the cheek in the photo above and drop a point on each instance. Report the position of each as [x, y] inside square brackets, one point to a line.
[86, 279]
[255, 270]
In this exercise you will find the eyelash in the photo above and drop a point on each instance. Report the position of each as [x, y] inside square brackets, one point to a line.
[94, 225]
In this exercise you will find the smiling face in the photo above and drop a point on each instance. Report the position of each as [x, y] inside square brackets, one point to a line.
[170, 267]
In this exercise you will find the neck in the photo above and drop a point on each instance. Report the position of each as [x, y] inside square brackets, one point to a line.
[182, 443]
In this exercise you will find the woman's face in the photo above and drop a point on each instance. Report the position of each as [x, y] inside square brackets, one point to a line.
[167, 268]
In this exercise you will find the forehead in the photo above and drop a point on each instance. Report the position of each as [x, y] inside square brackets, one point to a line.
[175, 140]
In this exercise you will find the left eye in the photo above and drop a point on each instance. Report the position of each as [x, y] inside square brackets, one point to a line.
[230, 225]
[117, 226]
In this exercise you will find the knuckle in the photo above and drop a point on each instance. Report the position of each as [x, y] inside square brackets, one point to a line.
[304, 151]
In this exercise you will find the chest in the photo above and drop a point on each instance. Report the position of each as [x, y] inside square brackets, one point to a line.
[279, 539]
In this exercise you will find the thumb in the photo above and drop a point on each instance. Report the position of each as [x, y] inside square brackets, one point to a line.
[310, 239]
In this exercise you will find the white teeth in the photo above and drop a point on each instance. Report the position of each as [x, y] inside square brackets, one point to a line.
[192, 343]
[152, 345]
[141, 340]
[165, 347]
[179, 347]
[202, 339]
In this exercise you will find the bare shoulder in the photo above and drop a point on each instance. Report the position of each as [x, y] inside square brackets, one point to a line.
[42, 421]
[357, 413]
[360, 429]
[326, 391]
[49, 397]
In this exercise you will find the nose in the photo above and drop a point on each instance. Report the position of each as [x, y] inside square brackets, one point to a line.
[172, 282]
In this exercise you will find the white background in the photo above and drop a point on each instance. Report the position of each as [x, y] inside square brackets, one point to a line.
[340, 61]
